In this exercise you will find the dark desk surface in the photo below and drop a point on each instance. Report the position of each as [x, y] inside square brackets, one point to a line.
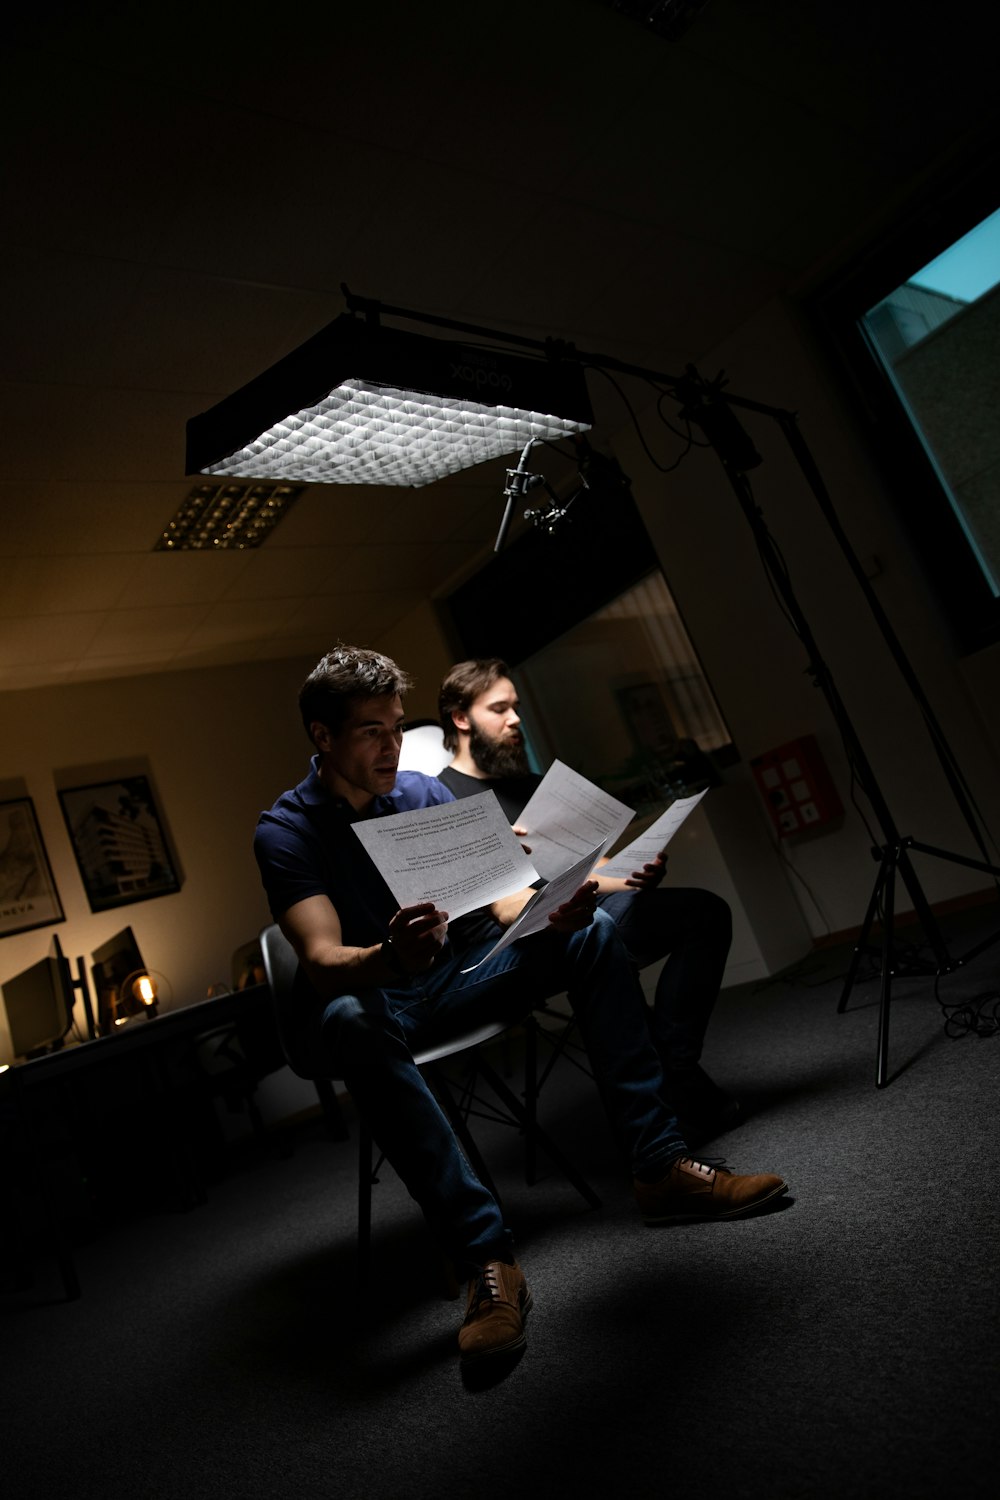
[251, 1004]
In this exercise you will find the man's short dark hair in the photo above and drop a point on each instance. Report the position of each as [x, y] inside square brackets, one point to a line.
[344, 676]
[462, 686]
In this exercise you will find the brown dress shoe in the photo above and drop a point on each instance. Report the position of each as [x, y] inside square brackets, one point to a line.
[693, 1190]
[498, 1305]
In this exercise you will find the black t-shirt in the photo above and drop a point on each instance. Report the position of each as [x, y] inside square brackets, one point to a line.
[512, 791]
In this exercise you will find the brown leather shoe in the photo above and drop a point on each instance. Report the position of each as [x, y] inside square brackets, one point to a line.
[498, 1305]
[693, 1190]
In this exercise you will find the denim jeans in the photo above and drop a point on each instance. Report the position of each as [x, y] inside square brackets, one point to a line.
[695, 929]
[368, 1039]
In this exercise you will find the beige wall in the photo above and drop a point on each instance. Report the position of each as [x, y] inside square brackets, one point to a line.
[418, 644]
[218, 745]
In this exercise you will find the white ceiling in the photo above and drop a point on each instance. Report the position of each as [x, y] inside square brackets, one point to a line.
[189, 186]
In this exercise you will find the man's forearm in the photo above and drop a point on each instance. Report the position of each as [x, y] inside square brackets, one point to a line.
[413, 940]
[509, 908]
[336, 969]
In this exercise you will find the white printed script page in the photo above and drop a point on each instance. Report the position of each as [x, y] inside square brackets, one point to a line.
[644, 849]
[566, 816]
[535, 916]
[459, 855]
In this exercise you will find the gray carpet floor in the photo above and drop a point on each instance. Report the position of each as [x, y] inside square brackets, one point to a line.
[843, 1345]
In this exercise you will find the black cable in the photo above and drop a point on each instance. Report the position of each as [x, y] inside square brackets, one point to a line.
[978, 1016]
[688, 437]
[663, 468]
[780, 850]
[776, 562]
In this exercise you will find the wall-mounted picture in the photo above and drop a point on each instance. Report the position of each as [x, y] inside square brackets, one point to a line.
[118, 842]
[645, 710]
[28, 895]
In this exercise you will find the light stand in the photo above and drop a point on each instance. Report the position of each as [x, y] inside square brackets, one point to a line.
[894, 853]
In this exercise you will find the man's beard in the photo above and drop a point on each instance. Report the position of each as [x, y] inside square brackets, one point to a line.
[497, 757]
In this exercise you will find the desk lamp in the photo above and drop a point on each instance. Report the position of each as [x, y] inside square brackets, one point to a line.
[137, 994]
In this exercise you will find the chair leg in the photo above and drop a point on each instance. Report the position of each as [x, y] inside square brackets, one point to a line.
[530, 1098]
[446, 1099]
[367, 1169]
[562, 1046]
[327, 1095]
[364, 1204]
[552, 1151]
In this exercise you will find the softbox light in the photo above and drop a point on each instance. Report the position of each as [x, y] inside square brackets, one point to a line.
[362, 404]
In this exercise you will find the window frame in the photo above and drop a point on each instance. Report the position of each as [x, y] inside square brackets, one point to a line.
[929, 226]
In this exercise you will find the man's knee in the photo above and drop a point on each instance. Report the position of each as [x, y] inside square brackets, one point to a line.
[601, 939]
[717, 916]
[356, 1034]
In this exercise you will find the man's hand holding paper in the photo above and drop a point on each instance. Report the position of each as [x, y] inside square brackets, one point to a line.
[565, 903]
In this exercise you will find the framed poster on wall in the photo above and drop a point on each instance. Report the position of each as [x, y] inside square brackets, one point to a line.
[118, 841]
[28, 895]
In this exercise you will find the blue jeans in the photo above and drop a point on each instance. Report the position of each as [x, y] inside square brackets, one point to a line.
[368, 1040]
[695, 929]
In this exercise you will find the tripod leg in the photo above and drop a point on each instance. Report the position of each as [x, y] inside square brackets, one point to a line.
[441, 1090]
[866, 927]
[364, 1204]
[921, 906]
[887, 961]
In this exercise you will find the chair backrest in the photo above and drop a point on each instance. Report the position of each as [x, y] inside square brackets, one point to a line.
[245, 965]
[281, 965]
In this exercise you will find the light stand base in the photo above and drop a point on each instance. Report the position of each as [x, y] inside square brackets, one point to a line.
[892, 857]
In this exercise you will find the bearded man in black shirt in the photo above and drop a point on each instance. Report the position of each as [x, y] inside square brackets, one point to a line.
[690, 928]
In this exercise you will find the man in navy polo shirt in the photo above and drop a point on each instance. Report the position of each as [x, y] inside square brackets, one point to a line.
[382, 980]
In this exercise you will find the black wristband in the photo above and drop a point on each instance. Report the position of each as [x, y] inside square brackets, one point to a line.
[392, 960]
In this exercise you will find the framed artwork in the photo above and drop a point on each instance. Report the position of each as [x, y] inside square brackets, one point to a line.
[644, 709]
[28, 895]
[118, 842]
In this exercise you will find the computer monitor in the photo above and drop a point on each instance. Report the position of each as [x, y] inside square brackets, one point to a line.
[116, 965]
[39, 1005]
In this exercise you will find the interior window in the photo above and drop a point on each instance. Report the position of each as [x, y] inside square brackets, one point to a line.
[937, 337]
[623, 698]
[914, 322]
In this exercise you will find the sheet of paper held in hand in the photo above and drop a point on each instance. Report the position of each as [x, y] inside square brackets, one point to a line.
[566, 815]
[459, 855]
[535, 916]
[644, 849]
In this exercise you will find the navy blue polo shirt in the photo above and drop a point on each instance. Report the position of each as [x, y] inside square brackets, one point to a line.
[305, 846]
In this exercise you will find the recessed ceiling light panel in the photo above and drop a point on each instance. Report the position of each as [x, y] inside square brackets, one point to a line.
[227, 517]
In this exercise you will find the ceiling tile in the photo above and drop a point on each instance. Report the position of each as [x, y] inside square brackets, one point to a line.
[49, 639]
[142, 628]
